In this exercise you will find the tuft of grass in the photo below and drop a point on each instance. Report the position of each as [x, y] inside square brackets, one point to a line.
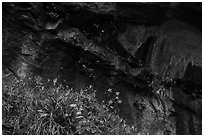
[31, 108]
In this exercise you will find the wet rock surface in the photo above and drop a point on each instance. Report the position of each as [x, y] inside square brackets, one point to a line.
[144, 59]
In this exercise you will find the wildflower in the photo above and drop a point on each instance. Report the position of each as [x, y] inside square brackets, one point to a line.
[90, 86]
[109, 90]
[40, 111]
[110, 102]
[73, 105]
[78, 113]
[54, 81]
[43, 115]
[79, 117]
[119, 101]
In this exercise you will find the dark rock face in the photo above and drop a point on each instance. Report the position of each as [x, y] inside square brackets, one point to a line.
[172, 51]
[150, 53]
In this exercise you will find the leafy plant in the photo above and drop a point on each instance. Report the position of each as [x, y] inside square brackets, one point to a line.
[57, 110]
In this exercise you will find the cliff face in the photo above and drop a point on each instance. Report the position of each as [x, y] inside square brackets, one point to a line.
[173, 52]
[149, 54]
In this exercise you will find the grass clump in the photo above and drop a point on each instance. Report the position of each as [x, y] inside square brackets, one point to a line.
[33, 109]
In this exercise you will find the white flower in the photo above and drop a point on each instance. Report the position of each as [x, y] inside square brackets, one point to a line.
[42, 87]
[54, 81]
[109, 90]
[73, 105]
[43, 115]
[79, 117]
[90, 86]
[78, 113]
[119, 101]
[110, 102]
[41, 111]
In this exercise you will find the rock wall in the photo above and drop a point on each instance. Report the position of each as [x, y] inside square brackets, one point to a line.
[147, 55]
